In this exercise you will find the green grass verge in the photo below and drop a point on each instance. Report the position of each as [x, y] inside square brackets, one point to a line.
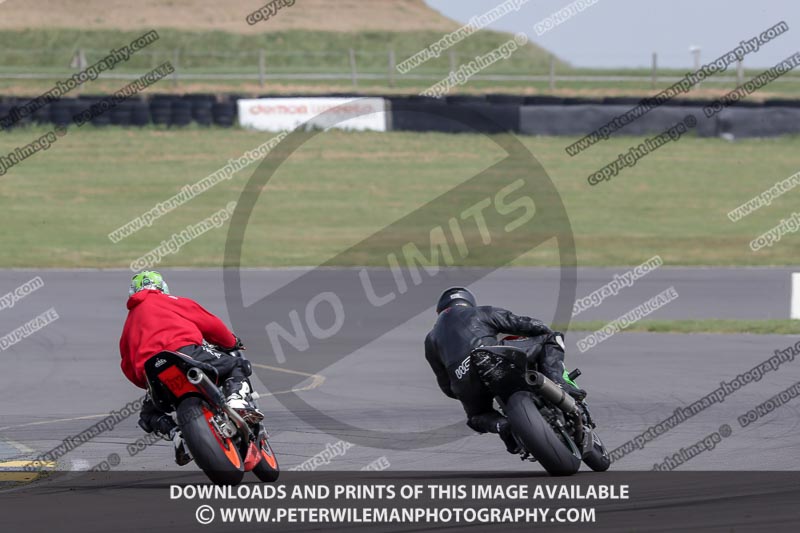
[60, 205]
[758, 327]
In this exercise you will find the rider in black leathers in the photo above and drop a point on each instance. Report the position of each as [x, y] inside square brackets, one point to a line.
[462, 327]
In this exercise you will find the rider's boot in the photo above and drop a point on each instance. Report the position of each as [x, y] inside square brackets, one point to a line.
[573, 390]
[551, 364]
[504, 430]
[494, 422]
[182, 456]
[152, 420]
[236, 392]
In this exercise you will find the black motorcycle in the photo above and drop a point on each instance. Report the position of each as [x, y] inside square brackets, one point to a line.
[550, 426]
[222, 443]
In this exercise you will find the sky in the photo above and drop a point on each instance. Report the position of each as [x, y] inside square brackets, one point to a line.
[625, 33]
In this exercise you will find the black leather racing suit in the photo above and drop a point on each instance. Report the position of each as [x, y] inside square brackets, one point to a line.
[459, 330]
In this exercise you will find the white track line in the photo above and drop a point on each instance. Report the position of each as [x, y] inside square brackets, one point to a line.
[317, 381]
[19, 446]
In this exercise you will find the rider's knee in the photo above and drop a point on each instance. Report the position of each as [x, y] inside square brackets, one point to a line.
[485, 422]
[246, 366]
[473, 426]
[557, 338]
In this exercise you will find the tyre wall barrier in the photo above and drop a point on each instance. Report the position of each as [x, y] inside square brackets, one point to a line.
[739, 121]
[580, 120]
[158, 109]
[526, 114]
[759, 122]
[420, 114]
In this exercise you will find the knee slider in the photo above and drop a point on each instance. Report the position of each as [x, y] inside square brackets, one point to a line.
[485, 422]
[473, 425]
[556, 338]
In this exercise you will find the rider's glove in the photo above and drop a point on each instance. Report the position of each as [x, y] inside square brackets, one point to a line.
[239, 345]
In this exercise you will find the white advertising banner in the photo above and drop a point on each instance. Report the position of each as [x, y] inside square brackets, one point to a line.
[278, 114]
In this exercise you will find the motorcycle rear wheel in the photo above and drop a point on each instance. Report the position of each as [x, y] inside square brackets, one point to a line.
[215, 454]
[538, 437]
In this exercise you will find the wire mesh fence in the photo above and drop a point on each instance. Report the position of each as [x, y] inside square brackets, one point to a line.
[264, 65]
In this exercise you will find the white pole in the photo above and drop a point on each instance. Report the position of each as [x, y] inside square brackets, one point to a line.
[796, 295]
[695, 50]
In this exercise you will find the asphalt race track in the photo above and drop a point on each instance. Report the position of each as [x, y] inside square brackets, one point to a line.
[64, 378]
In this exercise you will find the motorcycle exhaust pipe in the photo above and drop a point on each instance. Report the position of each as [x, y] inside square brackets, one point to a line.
[551, 392]
[199, 378]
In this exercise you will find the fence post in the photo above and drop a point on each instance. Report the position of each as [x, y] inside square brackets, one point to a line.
[391, 66]
[552, 72]
[654, 72]
[739, 72]
[452, 55]
[353, 72]
[82, 64]
[695, 50]
[261, 68]
[176, 59]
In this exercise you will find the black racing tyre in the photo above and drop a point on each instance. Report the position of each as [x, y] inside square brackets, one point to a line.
[597, 457]
[42, 115]
[5, 109]
[505, 99]
[465, 99]
[223, 108]
[621, 100]
[538, 437]
[180, 118]
[160, 111]
[160, 116]
[103, 119]
[224, 113]
[182, 106]
[120, 116]
[203, 117]
[201, 106]
[140, 114]
[216, 455]
[226, 121]
[267, 470]
[543, 100]
[61, 113]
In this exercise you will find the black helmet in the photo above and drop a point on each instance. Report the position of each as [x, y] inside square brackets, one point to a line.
[453, 295]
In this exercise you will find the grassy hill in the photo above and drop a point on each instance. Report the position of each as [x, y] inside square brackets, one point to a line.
[223, 15]
[219, 51]
[210, 38]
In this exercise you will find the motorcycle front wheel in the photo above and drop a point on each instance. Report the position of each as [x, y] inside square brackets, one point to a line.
[597, 457]
[267, 469]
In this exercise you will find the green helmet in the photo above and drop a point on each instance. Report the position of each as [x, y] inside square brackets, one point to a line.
[148, 280]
